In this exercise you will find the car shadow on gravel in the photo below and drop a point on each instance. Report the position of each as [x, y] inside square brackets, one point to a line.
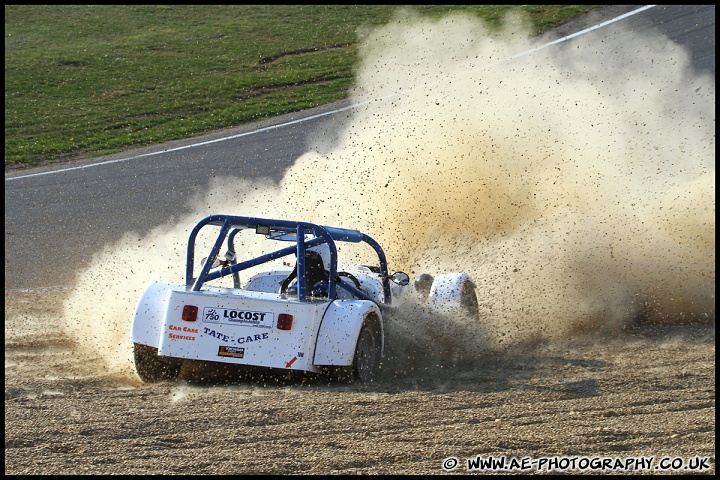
[493, 372]
[566, 368]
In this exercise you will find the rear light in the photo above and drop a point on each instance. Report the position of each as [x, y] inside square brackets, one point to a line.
[284, 321]
[190, 313]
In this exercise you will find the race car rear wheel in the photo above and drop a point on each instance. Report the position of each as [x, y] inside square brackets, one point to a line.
[366, 362]
[151, 367]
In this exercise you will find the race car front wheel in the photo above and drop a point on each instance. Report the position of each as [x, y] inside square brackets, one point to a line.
[469, 301]
[151, 367]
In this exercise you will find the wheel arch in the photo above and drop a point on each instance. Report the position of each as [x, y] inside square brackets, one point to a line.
[150, 313]
[450, 294]
[340, 328]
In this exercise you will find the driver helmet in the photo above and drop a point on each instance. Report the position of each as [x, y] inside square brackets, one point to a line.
[320, 289]
[324, 251]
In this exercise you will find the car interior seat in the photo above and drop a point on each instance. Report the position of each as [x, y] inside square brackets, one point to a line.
[314, 273]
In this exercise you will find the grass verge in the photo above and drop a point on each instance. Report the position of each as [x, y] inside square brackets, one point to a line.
[88, 80]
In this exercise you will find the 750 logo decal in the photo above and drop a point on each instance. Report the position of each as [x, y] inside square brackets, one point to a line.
[229, 316]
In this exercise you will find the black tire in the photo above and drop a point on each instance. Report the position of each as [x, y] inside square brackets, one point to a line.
[368, 351]
[423, 283]
[152, 368]
[469, 301]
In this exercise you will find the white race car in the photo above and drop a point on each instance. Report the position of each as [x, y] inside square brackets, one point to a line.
[312, 317]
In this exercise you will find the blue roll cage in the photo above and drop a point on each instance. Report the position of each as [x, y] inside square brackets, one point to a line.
[231, 225]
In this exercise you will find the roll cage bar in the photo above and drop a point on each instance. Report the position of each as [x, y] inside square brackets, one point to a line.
[231, 225]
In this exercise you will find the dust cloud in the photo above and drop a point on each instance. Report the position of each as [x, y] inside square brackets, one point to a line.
[574, 183]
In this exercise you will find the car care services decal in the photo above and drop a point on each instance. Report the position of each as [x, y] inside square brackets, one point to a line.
[181, 333]
[228, 351]
[246, 318]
